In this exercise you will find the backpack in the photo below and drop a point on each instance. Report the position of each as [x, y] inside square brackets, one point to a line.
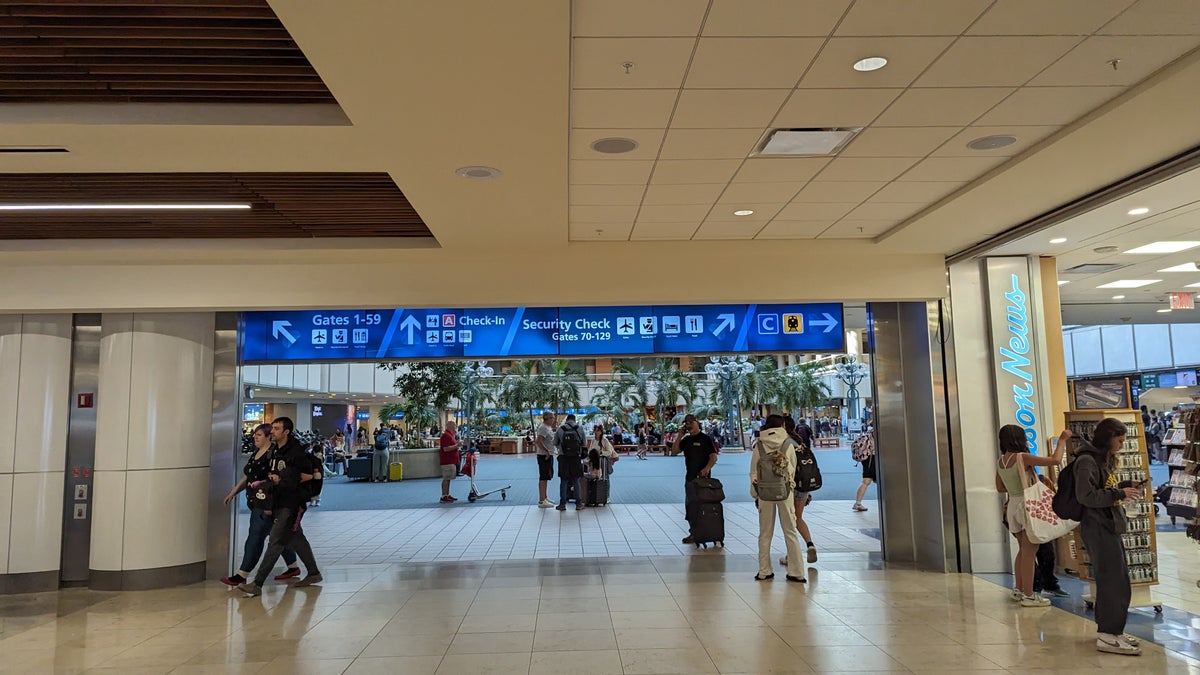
[1066, 506]
[771, 486]
[570, 444]
[863, 448]
[381, 442]
[311, 489]
[808, 474]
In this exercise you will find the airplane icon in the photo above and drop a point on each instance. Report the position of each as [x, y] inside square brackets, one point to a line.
[625, 325]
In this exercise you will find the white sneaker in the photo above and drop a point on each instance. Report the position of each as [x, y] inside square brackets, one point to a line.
[1131, 639]
[1116, 644]
[1034, 601]
[545, 504]
[1016, 595]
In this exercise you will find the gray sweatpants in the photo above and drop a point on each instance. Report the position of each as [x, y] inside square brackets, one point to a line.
[379, 461]
[1111, 576]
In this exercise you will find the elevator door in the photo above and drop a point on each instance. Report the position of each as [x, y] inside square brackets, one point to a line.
[81, 451]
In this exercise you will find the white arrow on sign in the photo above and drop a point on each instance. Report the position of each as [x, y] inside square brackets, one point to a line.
[724, 322]
[830, 322]
[278, 327]
[409, 323]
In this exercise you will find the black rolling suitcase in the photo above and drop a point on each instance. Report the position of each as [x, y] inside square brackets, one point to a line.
[706, 515]
[597, 489]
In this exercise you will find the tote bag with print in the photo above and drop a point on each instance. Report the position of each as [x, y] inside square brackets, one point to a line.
[1042, 524]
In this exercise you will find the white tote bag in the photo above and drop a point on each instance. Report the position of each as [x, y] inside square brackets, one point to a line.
[1042, 524]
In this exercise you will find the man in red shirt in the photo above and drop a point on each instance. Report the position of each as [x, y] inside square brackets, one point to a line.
[448, 458]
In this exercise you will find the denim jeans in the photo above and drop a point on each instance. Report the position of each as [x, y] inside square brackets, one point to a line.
[286, 533]
[256, 539]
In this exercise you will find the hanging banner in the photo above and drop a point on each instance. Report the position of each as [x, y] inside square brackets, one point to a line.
[1012, 306]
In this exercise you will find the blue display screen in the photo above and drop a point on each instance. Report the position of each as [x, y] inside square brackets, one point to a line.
[375, 334]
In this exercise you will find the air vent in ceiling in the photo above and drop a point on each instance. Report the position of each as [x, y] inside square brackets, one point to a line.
[31, 149]
[1093, 268]
[807, 142]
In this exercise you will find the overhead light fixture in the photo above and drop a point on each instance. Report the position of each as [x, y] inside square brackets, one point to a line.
[1185, 267]
[122, 207]
[1139, 211]
[1181, 386]
[808, 142]
[1118, 297]
[477, 172]
[1164, 247]
[1130, 283]
[870, 63]
[993, 142]
[743, 212]
[1063, 282]
[1164, 311]
[1059, 240]
[614, 146]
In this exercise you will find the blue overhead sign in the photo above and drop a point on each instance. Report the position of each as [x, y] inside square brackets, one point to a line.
[519, 332]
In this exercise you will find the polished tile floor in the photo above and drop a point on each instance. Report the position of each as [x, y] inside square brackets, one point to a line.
[674, 614]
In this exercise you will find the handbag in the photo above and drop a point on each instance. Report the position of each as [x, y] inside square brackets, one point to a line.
[1042, 524]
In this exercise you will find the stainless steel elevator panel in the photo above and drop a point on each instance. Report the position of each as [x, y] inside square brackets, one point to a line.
[81, 450]
[226, 444]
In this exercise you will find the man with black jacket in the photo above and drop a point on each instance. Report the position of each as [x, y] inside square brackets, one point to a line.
[289, 465]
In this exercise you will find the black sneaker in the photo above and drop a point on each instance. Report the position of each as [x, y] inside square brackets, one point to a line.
[689, 539]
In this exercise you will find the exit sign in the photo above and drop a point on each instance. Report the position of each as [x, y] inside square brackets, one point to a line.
[1182, 301]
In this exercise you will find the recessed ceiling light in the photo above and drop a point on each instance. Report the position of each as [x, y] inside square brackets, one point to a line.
[121, 207]
[1163, 311]
[1063, 282]
[1164, 247]
[992, 142]
[614, 146]
[1130, 283]
[1118, 297]
[1185, 267]
[477, 172]
[1105, 249]
[870, 63]
[1139, 211]
[1059, 240]
[743, 212]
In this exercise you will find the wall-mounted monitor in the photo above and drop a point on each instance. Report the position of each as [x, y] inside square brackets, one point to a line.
[1185, 378]
[254, 412]
[1167, 379]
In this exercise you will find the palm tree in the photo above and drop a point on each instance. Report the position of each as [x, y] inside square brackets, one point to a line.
[611, 400]
[521, 389]
[561, 382]
[760, 387]
[634, 386]
[673, 384]
[802, 390]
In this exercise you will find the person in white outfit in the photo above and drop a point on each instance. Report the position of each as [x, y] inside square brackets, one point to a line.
[772, 483]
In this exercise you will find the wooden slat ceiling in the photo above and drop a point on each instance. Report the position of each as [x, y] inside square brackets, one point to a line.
[140, 51]
[292, 205]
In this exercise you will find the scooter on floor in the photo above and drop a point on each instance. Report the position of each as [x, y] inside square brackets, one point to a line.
[469, 469]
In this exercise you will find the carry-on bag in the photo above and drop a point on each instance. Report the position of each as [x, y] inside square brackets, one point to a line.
[708, 524]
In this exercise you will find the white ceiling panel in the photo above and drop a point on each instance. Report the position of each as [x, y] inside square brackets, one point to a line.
[664, 231]
[761, 192]
[907, 58]
[794, 229]
[727, 230]
[606, 194]
[952, 169]
[637, 17]
[1039, 17]
[610, 172]
[941, 107]
[727, 108]
[815, 108]
[608, 213]
[995, 61]
[858, 229]
[883, 211]
[625, 109]
[1026, 137]
[915, 192]
[911, 17]
[682, 171]
[1089, 63]
[705, 193]
[815, 211]
[897, 141]
[866, 168]
[780, 169]
[1157, 17]
[1048, 105]
[774, 17]
[658, 63]
[750, 63]
[648, 141]
[710, 143]
[600, 231]
[847, 192]
[673, 213]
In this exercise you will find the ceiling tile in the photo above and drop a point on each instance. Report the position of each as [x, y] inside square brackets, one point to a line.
[949, 169]
[995, 61]
[710, 143]
[796, 211]
[897, 141]
[1026, 136]
[610, 172]
[663, 231]
[599, 232]
[1038, 17]
[911, 17]
[857, 229]
[866, 168]
[648, 141]
[883, 211]
[915, 192]
[637, 17]
[606, 194]
[1158, 17]
[727, 230]
[727, 108]
[780, 169]
[1088, 64]
[750, 63]
[763, 211]
[941, 107]
[837, 191]
[603, 214]
[815, 108]
[761, 192]
[705, 193]
[681, 213]
[1048, 105]
[659, 63]
[633, 109]
[679, 171]
[774, 17]
[794, 229]
[907, 58]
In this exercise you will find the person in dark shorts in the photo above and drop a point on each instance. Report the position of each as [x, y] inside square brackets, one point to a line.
[699, 456]
[543, 443]
[868, 477]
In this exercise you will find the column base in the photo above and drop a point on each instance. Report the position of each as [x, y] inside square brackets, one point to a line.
[29, 582]
[148, 579]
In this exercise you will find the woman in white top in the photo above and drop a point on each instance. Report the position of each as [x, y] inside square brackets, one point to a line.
[603, 448]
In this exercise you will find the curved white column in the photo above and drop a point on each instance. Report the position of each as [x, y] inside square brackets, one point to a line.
[153, 427]
[35, 374]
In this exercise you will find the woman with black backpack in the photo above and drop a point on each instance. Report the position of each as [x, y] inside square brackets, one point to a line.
[803, 495]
